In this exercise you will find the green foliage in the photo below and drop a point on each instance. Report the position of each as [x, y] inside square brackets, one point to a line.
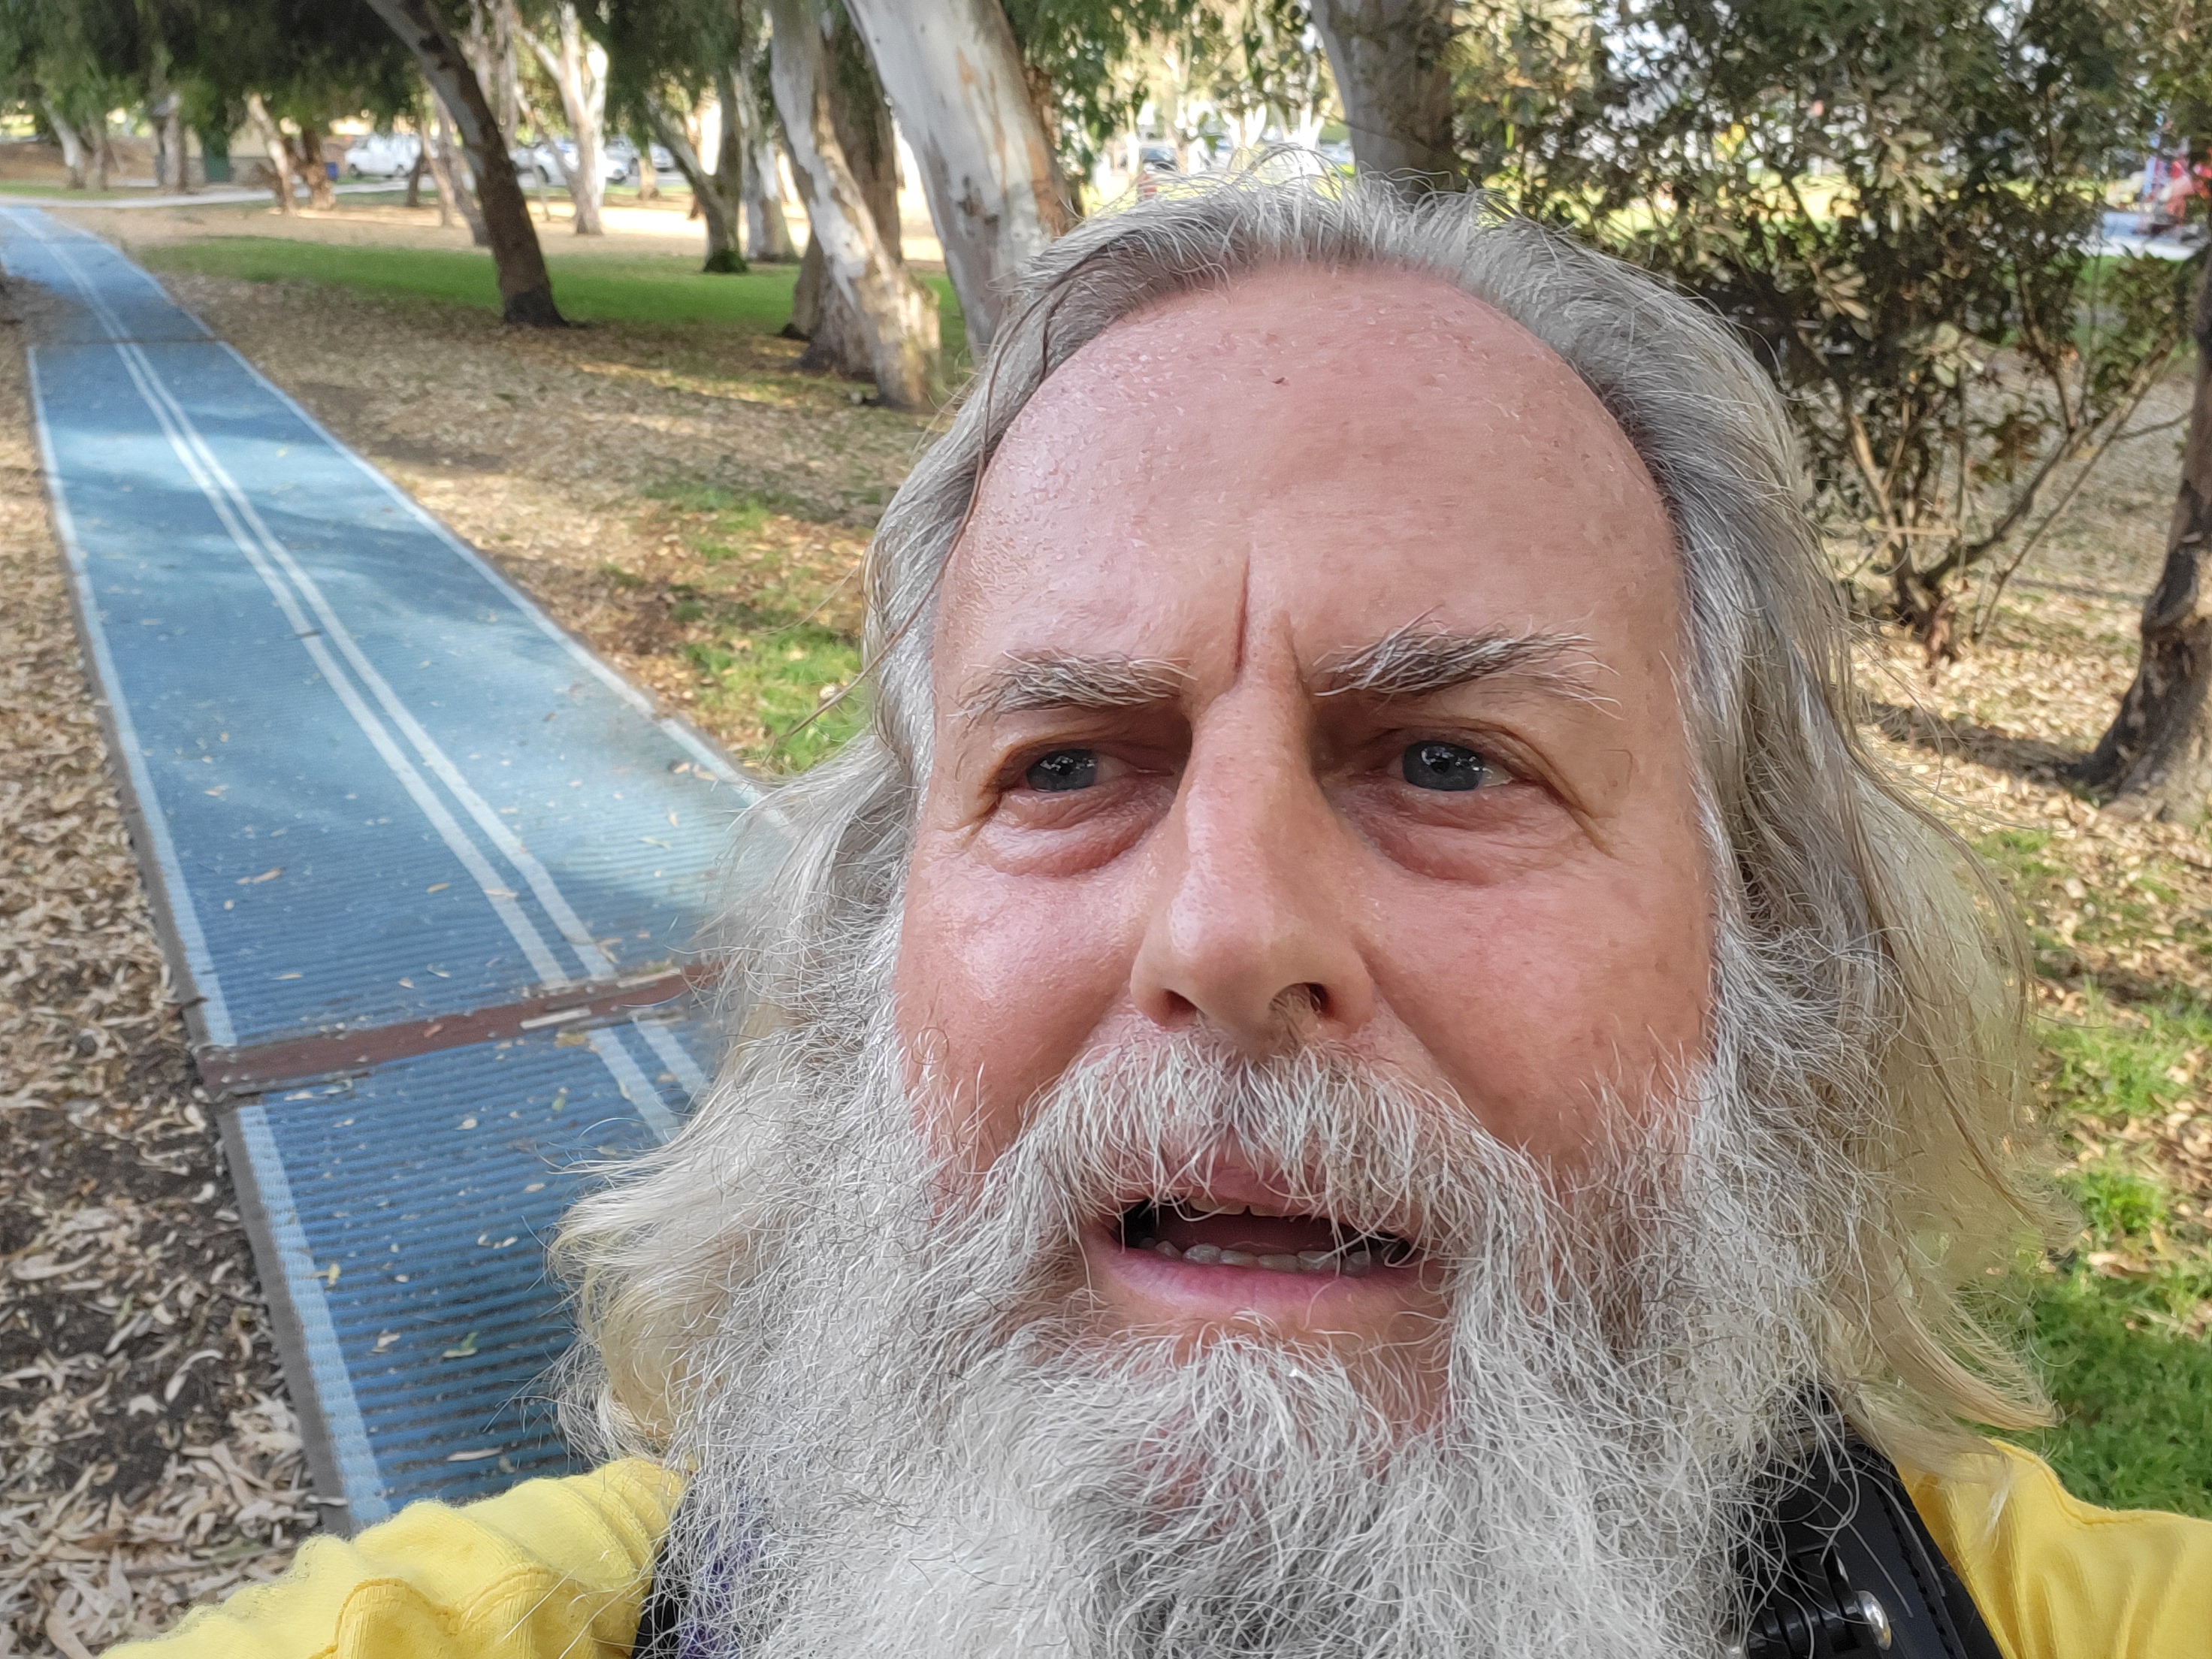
[1891, 199]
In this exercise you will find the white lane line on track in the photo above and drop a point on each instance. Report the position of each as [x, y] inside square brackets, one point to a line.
[636, 1088]
[629, 1078]
[359, 1481]
[665, 1043]
[489, 879]
[715, 762]
[594, 961]
[199, 964]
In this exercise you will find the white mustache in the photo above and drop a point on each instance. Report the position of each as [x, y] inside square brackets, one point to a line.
[905, 1410]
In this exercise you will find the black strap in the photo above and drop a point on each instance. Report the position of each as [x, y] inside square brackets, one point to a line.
[1859, 1573]
[659, 1623]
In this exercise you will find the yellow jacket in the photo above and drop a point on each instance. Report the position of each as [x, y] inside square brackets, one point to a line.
[558, 1570]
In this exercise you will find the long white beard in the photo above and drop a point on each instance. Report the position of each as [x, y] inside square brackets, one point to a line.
[917, 1439]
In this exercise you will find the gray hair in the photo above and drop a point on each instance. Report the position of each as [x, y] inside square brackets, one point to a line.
[1868, 982]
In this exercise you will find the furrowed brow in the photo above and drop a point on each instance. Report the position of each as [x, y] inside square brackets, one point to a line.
[1418, 662]
[1060, 680]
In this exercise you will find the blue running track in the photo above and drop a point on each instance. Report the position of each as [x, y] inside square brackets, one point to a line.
[428, 873]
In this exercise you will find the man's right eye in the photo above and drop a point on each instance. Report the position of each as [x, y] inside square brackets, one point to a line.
[1063, 769]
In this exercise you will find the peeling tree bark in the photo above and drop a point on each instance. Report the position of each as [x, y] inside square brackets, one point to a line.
[72, 143]
[579, 71]
[1392, 65]
[710, 199]
[895, 316]
[453, 180]
[836, 342]
[2156, 757]
[315, 173]
[955, 82]
[271, 139]
[768, 233]
[525, 290]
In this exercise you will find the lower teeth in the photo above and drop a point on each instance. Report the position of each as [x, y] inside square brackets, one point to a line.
[1348, 1264]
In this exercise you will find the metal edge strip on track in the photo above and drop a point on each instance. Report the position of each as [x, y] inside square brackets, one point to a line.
[332, 1435]
[288, 1062]
[207, 1016]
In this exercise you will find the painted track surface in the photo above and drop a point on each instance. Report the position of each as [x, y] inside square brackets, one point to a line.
[415, 853]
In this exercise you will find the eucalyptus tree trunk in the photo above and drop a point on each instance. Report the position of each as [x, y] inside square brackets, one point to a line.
[895, 317]
[579, 69]
[955, 75]
[768, 233]
[2156, 757]
[1392, 63]
[271, 137]
[72, 142]
[836, 341]
[322, 193]
[648, 176]
[452, 169]
[525, 290]
[710, 198]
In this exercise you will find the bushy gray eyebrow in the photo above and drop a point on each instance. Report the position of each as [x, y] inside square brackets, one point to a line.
[1420, 661]
[1055, 679]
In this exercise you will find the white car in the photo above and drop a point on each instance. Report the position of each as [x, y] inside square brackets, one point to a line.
[623, 152]
[552, 162]
[382, 155]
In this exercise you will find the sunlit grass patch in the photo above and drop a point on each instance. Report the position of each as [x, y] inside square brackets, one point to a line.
[595, 287]
[787, 683]
[2135, 1387]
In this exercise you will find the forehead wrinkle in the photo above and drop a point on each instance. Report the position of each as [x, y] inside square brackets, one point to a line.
[1027, 680]
[1418, 661]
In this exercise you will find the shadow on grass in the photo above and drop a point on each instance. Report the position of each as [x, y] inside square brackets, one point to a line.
[2022, 758]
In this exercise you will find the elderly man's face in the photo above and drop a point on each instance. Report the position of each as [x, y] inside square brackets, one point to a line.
[1308, 673]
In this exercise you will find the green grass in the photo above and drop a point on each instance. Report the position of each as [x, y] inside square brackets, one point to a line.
[2112, 1323]
[785, 680]
[2136, 1396]
[770, 658]
[592, 288]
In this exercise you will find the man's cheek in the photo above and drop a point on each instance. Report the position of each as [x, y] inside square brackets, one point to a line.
[1000, 984]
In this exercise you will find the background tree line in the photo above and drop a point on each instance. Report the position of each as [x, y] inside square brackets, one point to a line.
[1897, 203]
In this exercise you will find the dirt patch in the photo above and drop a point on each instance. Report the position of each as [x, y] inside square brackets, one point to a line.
[148, 1455]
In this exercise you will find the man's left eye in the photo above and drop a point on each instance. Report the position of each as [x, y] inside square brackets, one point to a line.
[1449, 766]
[1063, 770]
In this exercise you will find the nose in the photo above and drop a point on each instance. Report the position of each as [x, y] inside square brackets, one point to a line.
[1250, 925]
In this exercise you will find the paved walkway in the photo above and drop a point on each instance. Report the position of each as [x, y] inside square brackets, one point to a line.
[212, 195]
[428, 872]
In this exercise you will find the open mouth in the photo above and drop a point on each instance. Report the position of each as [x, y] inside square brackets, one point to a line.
[1255, 1236]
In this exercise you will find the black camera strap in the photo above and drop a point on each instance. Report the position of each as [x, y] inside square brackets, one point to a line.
[1851, 1569]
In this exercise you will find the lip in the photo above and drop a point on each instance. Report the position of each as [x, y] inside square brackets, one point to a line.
[1184, 1292]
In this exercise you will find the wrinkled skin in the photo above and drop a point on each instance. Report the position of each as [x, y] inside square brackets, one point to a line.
[1494, 885]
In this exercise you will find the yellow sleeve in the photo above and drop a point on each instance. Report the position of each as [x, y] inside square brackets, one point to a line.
[552, 1569]
[2058, 1579]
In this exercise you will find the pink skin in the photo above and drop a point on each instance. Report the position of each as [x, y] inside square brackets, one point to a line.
[1244, 488]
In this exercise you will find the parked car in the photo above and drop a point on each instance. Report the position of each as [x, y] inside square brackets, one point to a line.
[552, 162]
[623, 151]
[382, 155]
